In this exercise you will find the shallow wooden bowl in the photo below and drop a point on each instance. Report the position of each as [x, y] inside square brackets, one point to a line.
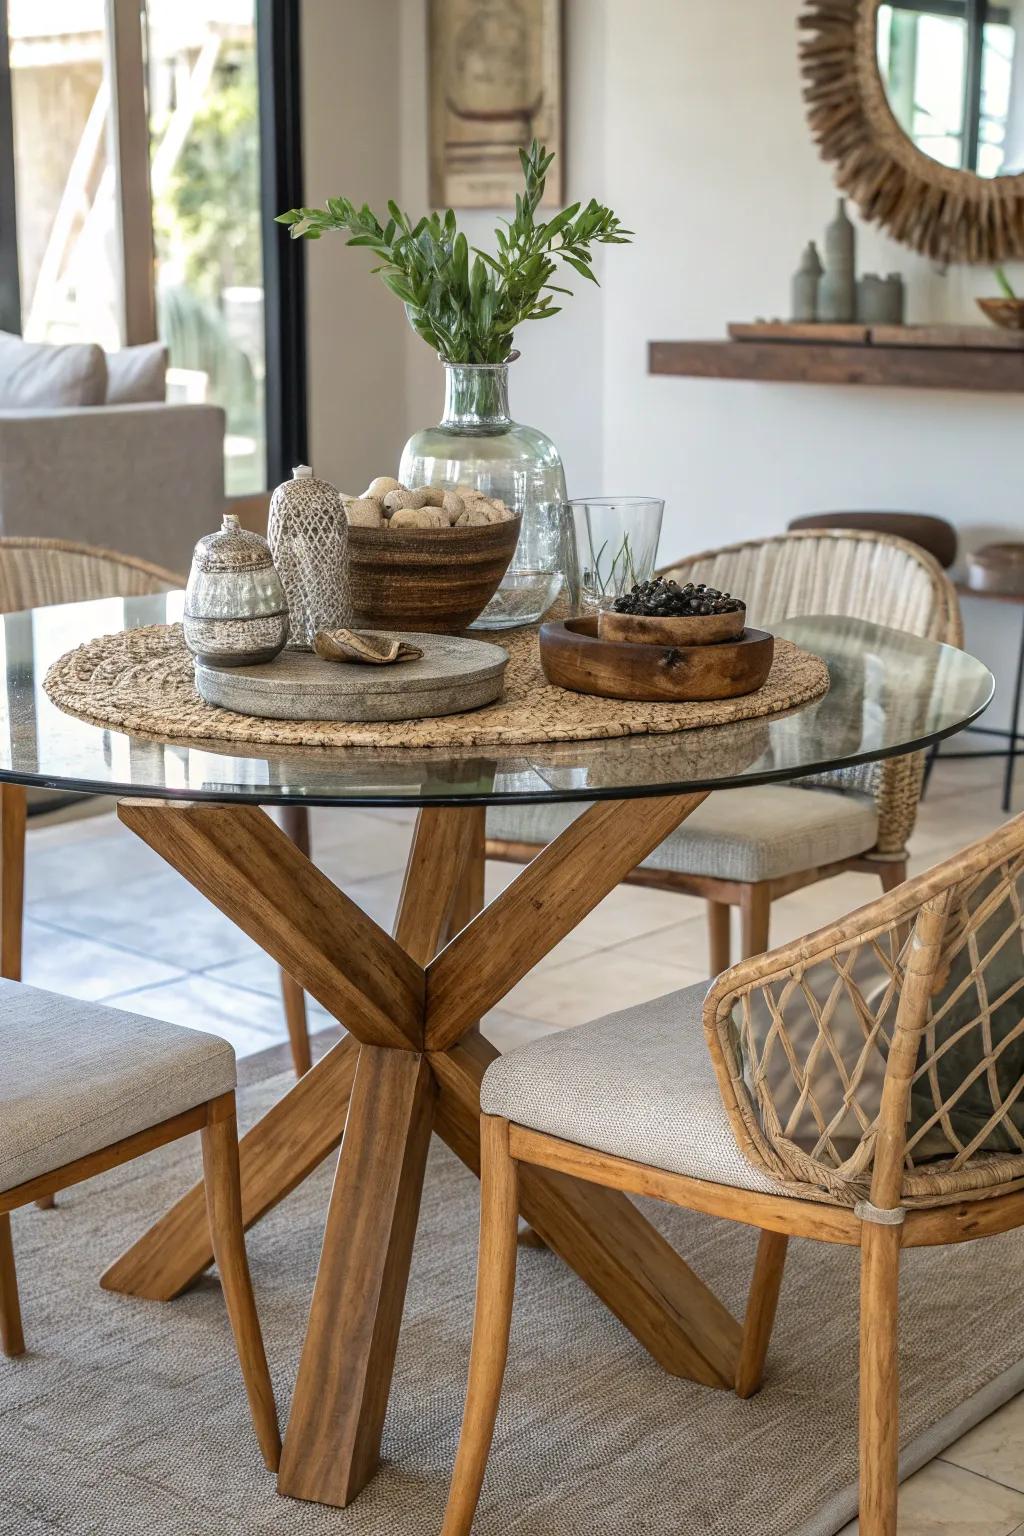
[997, 568]
[573, 656]
[702, 629]
[436, 580]
[1008, 313]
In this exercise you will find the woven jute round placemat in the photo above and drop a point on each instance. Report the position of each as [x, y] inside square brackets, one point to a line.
[141, 680]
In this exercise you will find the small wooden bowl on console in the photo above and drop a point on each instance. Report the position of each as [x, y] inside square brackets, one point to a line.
[698, 629]
[574, 657]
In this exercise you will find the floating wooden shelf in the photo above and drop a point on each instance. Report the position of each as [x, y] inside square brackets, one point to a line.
[910, 357]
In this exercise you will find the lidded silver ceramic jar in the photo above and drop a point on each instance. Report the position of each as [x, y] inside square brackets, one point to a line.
[236, 614]
[308, 534]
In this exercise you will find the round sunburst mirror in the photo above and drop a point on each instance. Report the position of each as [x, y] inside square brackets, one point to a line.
[920, 106]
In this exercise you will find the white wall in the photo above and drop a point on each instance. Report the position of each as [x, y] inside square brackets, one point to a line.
[709, 160]
[557, 383]
[351, 146]
[686, 117]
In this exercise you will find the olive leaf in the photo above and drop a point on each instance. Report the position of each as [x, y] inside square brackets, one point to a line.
[468, 310]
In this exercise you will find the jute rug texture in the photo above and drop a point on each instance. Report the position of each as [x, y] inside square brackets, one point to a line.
[127, 1418]
[142, 681]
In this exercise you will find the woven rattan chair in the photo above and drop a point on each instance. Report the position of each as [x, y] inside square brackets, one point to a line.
[86, 1088]
[752, 846]
[862, 1086]
[33, 574]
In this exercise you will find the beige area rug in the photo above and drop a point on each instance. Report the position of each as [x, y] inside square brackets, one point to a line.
[127, 1418]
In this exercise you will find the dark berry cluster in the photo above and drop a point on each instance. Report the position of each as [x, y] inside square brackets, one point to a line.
[663, 599]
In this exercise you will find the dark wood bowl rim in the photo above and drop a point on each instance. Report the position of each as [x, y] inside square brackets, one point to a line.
[584, 632]
[653, 620]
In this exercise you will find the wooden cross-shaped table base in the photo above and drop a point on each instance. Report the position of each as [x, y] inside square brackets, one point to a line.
[411, 1063]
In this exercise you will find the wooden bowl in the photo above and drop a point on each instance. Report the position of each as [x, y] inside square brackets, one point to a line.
[436, 580]
[701, 629]
[573, 657]
[997, 568]
[1009, 313]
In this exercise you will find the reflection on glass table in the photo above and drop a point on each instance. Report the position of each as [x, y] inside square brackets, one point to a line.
[890, 693]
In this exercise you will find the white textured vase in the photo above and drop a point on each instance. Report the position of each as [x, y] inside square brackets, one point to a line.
[308, 537]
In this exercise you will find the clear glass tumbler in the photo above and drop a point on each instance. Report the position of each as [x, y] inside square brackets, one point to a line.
[609, 543]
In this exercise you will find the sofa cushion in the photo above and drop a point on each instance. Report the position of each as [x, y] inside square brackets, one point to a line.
[137, 375]
[37, 375]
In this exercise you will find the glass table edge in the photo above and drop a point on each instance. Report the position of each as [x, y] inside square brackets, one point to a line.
[391, 800]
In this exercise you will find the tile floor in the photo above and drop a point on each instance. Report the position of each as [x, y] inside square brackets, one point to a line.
[106, 920]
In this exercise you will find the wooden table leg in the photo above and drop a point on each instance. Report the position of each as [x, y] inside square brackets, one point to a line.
[332, 1442]
[421, 1058]
[605, 1239]
[275, 1156]
[295, 822]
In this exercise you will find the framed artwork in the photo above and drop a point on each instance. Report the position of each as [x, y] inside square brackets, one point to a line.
[495, 84]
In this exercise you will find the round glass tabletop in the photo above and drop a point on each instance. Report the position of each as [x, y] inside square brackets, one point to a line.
[890, 693]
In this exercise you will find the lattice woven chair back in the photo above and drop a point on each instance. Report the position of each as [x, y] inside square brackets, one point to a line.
[849, 574]
[917, 1000]
[37, 572]
[857, 575]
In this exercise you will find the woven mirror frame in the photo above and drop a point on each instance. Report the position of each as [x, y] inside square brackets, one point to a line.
[946, 214]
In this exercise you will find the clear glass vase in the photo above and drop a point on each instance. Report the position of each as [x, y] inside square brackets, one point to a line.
[477, 443]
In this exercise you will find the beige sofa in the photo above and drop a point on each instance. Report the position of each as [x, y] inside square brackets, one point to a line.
[143, 479]
[90, 451]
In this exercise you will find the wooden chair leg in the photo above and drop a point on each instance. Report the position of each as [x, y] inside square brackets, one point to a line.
[719, 937]
[496, 1278]
[755, 918]
[12, 1339]
[224, 1208]
[12, 878]
[892, 875]
[761, 1304]
[295, 821]
[12, 894]
[879, 1380]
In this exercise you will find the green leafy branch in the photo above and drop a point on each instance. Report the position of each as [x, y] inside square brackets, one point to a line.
[467, 310]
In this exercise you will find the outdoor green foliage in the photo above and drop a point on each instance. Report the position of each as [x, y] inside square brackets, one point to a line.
[209, 219]
[468, 310]
[1004, 283]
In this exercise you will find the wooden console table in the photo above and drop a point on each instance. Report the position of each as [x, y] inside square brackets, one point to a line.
[902, 357]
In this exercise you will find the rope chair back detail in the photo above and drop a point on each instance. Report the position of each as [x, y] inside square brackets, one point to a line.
[846, 573]
[883, 1057]
[35, 573]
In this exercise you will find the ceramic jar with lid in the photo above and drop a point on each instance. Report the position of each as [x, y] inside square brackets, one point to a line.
[235, 609]
[308, 534]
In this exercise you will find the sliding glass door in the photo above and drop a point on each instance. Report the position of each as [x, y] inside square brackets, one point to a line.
[139, 142]
[204, 135]
[68, 263]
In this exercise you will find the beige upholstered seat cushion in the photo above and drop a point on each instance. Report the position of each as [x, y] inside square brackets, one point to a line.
[638, 1084]
[742, 834]
[76, 1077]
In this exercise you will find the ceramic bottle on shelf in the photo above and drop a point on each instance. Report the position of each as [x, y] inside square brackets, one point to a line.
[806, 282]
[308, 535]
[837, 297]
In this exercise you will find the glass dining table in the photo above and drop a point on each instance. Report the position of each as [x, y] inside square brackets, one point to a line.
[410, 1062]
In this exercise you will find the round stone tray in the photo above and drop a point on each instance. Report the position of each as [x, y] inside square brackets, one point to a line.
[452, 676]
